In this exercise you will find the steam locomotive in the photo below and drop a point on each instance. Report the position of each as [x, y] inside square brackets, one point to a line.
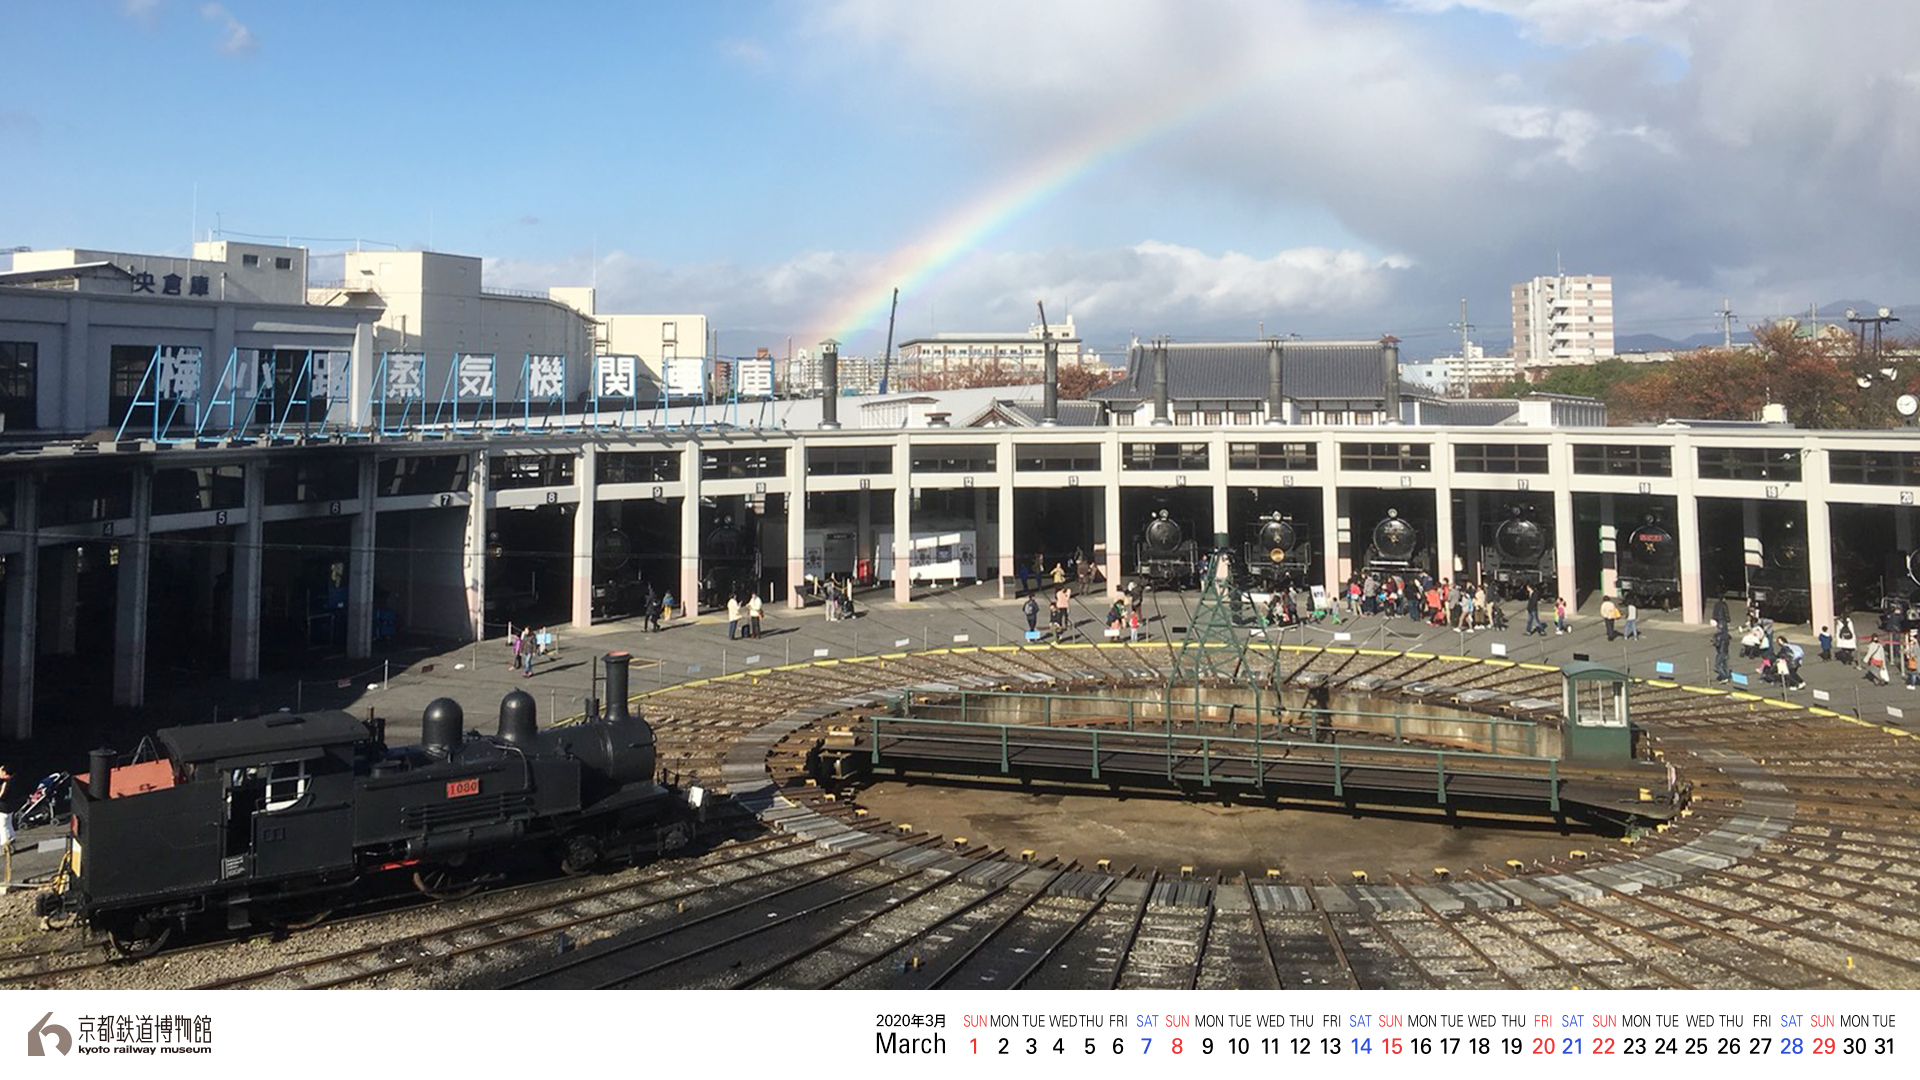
[1396, 547]
[1779, 584]
[272, 820]
[1648, 559]
[1165, 557]
[1520, 553]
[1276, 556]
[729, 563]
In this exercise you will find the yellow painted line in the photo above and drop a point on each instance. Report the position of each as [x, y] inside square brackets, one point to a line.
[1372, 652]
[1778, 704]
[1661, 684]
[1741, 696]
[1499, 663]
[1002, 648]
[1539, 667]
[1420, 656]
[1456, 659]
[1708, 690]
[893, 656]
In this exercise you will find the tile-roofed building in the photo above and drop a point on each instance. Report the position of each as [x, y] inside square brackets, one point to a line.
[1338, 382]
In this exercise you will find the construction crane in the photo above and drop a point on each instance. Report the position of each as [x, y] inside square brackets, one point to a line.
[886, 358]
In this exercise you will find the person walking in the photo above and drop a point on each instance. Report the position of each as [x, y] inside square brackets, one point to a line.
[1826, 645]
[1633, 620]
[653, 612]
[513, 643]
[1609, 611]
[733, 617]
[1844, 641]
[1720, 615]
[526, 653]
[1031, 609]
[754, 611]
[1722, 642]
[1535, 624]
[1062, 609]
[1560, 616]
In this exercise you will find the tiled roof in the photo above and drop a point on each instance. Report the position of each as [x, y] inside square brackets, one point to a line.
[1237, 371]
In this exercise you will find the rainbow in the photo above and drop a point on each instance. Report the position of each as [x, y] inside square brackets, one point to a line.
[912, 265]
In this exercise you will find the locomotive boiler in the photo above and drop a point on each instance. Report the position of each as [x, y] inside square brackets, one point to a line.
[1394, 547]
[1647, 557]
[274, 819]
[1518, 552]
[1779, 585]
[1165, 556]
[1276, 557]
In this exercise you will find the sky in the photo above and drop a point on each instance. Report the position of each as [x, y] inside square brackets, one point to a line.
[1206, 170]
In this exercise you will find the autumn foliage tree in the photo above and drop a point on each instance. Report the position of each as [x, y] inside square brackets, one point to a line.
[1816, 377]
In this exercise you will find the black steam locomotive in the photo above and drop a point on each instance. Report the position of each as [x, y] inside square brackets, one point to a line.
[1165, 557]
[729, 563]
[1779, 585]
[272, 820]
[1396, 547]
[1648, 559]
[1519, 552]
[1276, 557]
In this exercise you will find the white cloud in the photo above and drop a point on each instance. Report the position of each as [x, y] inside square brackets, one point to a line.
[236, 39]
[1150, 287]
[1697, 141]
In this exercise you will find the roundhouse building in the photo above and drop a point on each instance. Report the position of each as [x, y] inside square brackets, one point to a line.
[239, 547]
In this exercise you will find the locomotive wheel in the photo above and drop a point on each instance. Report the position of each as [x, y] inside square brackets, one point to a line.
[444, 883]
[140, 938]
[579, 855]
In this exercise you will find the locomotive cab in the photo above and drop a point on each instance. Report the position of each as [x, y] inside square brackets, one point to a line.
[256, 809]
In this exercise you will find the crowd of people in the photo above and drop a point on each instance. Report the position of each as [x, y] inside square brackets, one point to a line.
[1466, 605]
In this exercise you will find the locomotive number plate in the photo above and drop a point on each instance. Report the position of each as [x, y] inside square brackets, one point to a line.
[457, 788]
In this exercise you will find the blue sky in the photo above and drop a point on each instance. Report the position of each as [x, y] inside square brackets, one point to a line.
[1288, 165]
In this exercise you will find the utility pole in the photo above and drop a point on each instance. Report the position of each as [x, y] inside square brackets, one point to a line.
[1726, 322]
[1464, 327]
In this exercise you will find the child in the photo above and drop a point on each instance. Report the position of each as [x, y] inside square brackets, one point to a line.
[1826, 644]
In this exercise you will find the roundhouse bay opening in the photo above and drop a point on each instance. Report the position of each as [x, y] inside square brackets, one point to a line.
[1230, 778]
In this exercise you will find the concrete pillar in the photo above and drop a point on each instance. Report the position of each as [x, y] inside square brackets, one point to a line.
[23, 584]
[1110, 509]
[1686, 528]
[1609, 547]
[796, 525]
[130, 599]
[902, 524]
[361, 554]
[863, 534]
[1820, 583]
[1446, 562]
[474, 559]
[1753, 554]
[1470, 568]
[59, 589]
[690, 527]
[249, 538]
[1343, 534]
[1003, 479]
[1564, 538]
[984, 562]
[586, 475]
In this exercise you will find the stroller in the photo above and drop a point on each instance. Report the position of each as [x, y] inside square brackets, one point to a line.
[51, 802]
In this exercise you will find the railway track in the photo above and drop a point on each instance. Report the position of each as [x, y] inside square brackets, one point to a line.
[1796, 865]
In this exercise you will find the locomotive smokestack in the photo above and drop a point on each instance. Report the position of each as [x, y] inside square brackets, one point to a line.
[829, 385]
[617, 686]
[99, 774]
[1276, 409]
[1160, 404]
